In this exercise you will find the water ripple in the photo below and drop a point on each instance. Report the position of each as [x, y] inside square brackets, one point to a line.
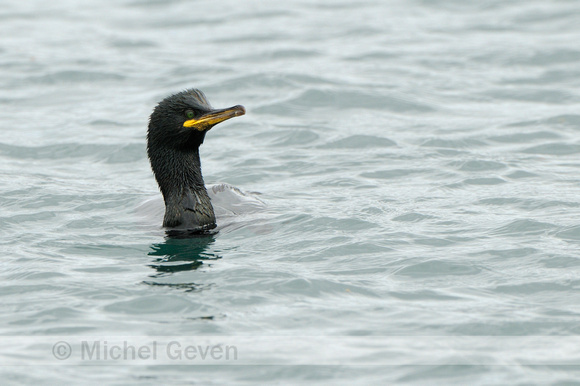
[416, 160]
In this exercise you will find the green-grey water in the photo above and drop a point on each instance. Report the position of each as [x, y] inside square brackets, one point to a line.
[418, 162]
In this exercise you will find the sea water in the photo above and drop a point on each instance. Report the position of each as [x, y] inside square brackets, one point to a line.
[418, 162]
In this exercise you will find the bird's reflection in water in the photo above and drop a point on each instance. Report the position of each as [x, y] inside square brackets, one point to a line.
[178, 255]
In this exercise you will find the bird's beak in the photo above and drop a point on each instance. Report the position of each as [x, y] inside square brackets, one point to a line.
[212, 118]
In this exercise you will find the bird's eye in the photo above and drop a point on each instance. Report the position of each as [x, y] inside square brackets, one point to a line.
[189, 114]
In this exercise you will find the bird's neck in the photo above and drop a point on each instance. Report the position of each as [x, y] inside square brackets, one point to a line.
[187, 204]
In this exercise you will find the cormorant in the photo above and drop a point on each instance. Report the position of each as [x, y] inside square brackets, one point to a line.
[177, 128]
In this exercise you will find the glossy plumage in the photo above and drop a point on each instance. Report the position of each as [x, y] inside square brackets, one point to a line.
[177, 127]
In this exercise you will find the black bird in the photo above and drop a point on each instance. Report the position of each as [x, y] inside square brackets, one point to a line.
[177, 128]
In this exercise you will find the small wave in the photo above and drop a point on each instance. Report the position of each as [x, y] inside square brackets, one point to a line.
[524, 227]
[109, 153]
[394, 173]
[345, 99]
[478, 165]
[359, 142]
[524, 137]
[434, 268]
[557, 148]
[61, 77]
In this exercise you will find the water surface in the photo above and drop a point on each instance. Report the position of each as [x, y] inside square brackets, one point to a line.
[418, 159]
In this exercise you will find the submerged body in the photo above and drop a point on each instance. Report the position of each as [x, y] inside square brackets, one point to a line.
[232, 207]
[177, 128]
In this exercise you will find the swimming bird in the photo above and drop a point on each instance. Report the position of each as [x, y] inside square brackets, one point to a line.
[177, 127]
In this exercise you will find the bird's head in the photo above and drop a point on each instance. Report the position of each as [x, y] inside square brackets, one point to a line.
[181, 121]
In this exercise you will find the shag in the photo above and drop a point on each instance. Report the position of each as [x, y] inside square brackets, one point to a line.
[177, 128]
